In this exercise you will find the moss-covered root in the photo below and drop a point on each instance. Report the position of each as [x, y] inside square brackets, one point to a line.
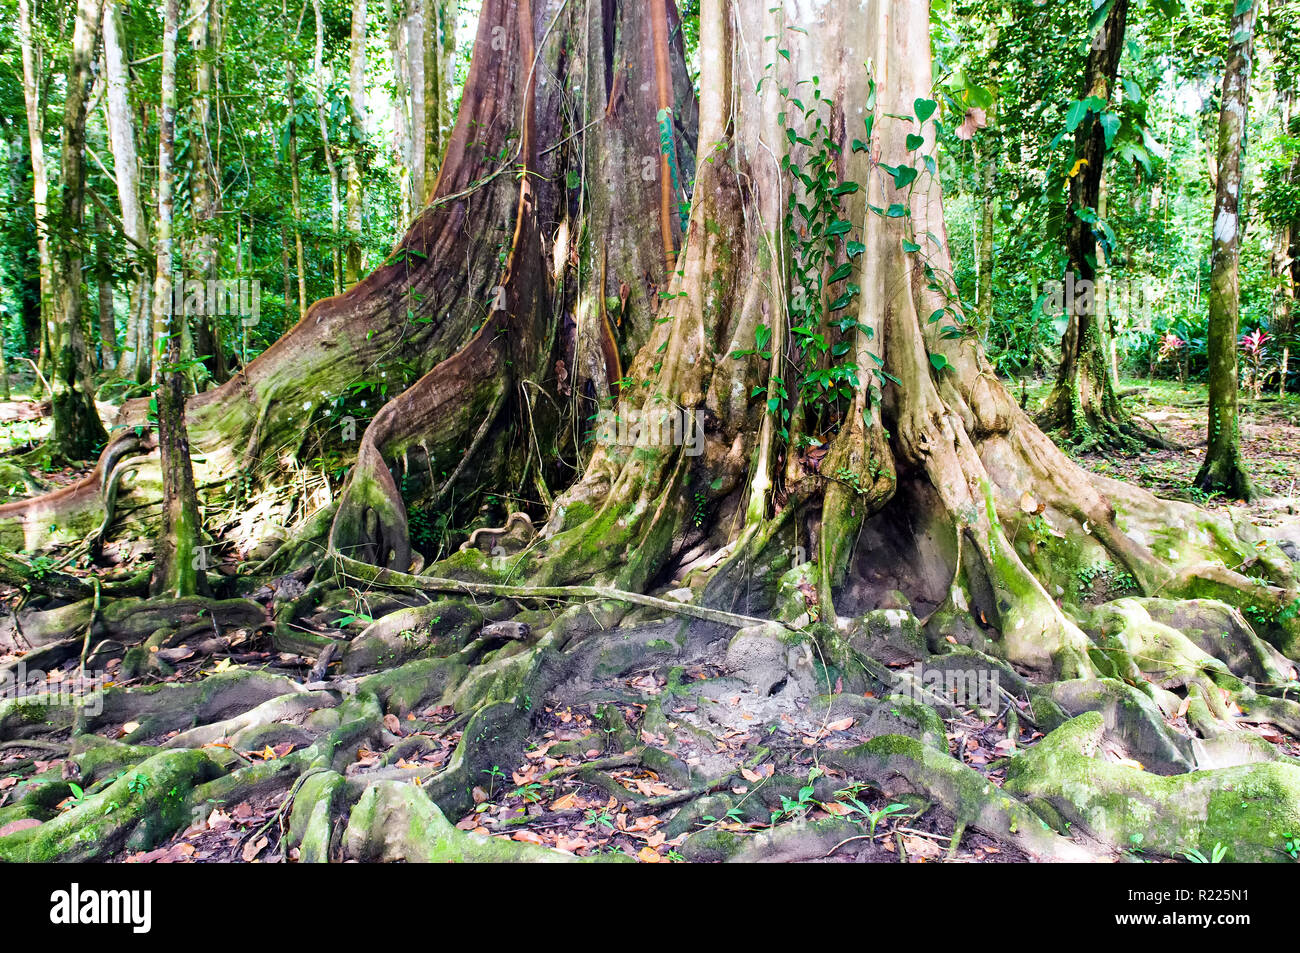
[1132, 717]
[136, 812]
[1250, 809]
[395, 821]
[899, 764]
[1131, 646]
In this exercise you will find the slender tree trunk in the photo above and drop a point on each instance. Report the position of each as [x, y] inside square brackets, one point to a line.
[166, 321]
[403, 143]
[1223, 469]
[104, 289]
[417, 64]
[26, 272]
[4, 362]
[331, 165]
[176, 559]
[356, 151]
[988, 210]
[32, 66]
[295, 191]
[78, 432]
[431, 96]
[1284, 263]
[135, 360]
[1084, 404]
[205, 177]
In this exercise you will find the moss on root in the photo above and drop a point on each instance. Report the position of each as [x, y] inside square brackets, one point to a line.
[136, 812]
[1249, 810]
[898, 763]
[398, 822]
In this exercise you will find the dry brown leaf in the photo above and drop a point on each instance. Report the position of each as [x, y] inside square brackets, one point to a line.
[253, 848]
[22, 824]
[844, 724]
[572, 845]
[566, 803]
[648, 855]
[920, 847]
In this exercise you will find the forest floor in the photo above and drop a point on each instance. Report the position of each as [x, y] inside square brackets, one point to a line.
[1270, 431]
[627, 770]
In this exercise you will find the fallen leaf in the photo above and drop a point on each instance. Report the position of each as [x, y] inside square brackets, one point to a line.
[253, 848]
[565, 803]
[13, 827]
[648, 855]
[920, 847]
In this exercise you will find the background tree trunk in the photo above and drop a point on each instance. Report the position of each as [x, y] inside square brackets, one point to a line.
[358, 145]
[32, 72]
[1083, 405]
[78, 432]
[404, 139]
[988, 210]
[1223, 470]
[136, 359]
[331, 165]
[177, 552]
[104, 290]
[205, 179]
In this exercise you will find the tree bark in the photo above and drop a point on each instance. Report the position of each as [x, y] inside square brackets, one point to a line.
[1223, 469]
[176, 558]
[404, 140]
[295, 189]
[205, 177]
[104, 290]
[984, 296]
[78, 432]
[32, 58]
[331, 163]
[1084, 405]
[357, 146]
[136, 357]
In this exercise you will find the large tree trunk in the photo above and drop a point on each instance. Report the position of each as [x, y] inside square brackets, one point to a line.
[1223, 470]
[78, 433]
